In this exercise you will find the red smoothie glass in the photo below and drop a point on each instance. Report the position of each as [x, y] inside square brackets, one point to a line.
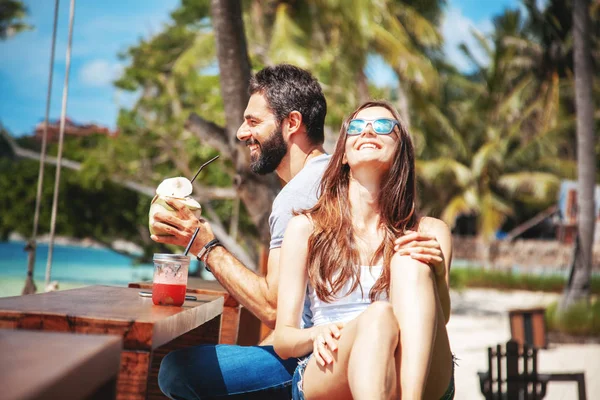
[170, 279]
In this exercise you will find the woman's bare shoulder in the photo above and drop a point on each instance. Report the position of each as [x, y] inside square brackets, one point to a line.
[433, 226]
[300, 225]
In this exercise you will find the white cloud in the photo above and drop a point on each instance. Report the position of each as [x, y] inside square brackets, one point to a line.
[99, 73]
[457, 29]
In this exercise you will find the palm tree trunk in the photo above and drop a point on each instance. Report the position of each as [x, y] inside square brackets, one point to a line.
[578, 287]
[257, 192]
[403, 105]
[362, 87]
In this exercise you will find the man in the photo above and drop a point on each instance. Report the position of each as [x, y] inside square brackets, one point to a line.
[284, 129]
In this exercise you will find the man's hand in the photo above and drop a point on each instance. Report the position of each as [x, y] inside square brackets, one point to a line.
[423, 247]
[177, 228]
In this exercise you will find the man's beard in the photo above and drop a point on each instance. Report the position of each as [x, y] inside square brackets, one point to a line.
[272, 152]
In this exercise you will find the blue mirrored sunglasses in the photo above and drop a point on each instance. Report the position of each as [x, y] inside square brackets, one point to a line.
[381, 126]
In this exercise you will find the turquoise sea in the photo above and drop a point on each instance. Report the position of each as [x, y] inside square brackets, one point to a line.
[73, 264]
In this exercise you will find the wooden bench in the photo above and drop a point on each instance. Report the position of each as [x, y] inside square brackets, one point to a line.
[505, 379]
[51, 365]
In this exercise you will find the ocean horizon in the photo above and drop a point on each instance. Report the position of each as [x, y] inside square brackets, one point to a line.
[87, 265]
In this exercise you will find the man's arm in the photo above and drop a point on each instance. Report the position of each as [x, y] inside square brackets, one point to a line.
[257, 293]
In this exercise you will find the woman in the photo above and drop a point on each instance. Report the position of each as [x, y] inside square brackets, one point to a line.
[379, 313]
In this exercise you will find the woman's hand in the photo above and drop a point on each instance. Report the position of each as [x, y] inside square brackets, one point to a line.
[423, 247]
[325, 338]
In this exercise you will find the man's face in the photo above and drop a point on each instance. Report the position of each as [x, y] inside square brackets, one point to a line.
[263, 136]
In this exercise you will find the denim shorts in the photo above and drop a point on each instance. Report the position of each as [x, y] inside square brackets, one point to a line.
[297, 385]
[297, 380]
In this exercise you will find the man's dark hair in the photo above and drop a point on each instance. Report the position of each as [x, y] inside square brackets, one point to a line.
[288, 88]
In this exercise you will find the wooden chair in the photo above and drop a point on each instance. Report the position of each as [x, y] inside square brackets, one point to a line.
[513, 375]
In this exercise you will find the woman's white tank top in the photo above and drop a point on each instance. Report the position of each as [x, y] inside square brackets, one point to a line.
[346, 306]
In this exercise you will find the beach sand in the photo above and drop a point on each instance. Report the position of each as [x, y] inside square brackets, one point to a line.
[480, 319]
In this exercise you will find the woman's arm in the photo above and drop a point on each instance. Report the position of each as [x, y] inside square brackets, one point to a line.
[442, 233]
[290, 340]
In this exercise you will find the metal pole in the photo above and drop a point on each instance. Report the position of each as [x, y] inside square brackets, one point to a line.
[63, 114]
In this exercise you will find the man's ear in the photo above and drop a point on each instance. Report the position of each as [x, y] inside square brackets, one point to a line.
[294, 122]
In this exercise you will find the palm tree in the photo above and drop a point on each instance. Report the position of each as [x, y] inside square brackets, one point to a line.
[257, 193]
[578, 287]
[491, 130]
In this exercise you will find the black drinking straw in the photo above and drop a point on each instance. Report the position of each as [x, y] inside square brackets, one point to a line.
[187, 249]
[202, 166]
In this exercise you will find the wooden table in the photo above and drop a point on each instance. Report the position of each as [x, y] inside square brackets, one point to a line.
[238, 326]
[49, 365]
[148, 331]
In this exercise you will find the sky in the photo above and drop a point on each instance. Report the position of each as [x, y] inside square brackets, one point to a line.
[103, 29]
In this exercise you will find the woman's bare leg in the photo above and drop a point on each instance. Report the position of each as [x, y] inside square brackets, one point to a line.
[364, 365]
[424, 360]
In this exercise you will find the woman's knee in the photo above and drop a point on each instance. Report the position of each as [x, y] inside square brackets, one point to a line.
[405, 270]
[379, 317]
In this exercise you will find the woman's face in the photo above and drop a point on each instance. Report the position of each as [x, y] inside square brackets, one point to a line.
[365, 146]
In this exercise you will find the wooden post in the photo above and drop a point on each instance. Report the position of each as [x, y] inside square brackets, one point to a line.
[512, 369]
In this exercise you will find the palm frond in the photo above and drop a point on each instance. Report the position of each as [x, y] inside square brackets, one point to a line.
[537, 186]
[492, 214]
[437, 172]
[483, 42]
[456, 207]
[487, 154]
[420, 28]
[467, 53]
[448, 128]
[287, 39]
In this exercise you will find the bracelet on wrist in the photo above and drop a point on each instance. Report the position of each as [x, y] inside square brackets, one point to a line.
[203, 253]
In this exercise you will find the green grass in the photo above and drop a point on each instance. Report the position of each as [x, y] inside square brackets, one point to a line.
[580, 319]
[461, 278]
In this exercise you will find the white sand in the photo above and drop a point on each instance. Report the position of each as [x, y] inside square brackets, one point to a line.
[480, 319]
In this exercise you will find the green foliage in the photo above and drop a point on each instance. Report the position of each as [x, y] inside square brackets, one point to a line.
[492, 143]
[82, 212]
[581, 319]
[473, 277]
[501, 137]
[12, 13]
[104, 212]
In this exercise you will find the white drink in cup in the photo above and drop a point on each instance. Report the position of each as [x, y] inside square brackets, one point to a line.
[179, 188]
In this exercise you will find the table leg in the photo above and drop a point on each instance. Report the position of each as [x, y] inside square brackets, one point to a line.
[207, 333]
[133, 375]
[230, 325]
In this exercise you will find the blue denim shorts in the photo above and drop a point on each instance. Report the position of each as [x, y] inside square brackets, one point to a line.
[297, 385]
[297, 380]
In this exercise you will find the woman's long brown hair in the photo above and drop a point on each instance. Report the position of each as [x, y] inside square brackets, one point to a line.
[333, 254]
